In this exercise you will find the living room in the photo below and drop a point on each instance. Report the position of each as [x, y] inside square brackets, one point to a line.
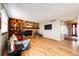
[39, 29]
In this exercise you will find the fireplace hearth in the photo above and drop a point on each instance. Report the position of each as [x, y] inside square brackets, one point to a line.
[28, 33]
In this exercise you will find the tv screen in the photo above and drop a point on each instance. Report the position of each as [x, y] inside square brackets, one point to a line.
[48, 27]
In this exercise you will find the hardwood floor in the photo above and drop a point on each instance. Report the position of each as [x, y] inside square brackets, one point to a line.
[48, 47]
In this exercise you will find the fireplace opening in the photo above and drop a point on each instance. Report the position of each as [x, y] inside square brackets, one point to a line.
[28, 33]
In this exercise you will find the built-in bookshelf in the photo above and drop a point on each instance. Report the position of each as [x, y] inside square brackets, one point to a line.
[18, 25]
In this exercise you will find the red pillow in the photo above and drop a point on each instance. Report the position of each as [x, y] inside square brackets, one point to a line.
[20, 38]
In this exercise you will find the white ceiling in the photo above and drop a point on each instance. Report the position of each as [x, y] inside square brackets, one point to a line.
[41, 12]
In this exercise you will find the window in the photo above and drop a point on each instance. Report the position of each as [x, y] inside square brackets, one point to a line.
[73, 29]
[4, 21]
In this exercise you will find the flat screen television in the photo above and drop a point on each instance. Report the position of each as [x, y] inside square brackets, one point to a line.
[48, 27]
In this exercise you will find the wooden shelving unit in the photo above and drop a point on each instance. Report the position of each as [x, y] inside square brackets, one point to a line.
[17, 25]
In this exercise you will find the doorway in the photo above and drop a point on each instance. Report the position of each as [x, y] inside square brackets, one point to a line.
[72, 30]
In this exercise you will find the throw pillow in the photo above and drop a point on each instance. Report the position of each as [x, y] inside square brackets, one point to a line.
[20, 38]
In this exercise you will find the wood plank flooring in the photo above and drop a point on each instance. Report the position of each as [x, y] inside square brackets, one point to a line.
[48, 47]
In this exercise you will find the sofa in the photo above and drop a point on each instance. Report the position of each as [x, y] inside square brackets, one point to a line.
[17, 43]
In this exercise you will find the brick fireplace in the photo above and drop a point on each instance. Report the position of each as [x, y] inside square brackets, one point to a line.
[28, 33]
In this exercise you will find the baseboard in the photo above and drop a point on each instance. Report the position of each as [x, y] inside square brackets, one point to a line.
[51, 39]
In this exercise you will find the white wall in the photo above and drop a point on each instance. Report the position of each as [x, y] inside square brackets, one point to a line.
[52, 34]
[0, 32]
[4, 28]
[0, 41]
[78, 32]
[64, 30]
